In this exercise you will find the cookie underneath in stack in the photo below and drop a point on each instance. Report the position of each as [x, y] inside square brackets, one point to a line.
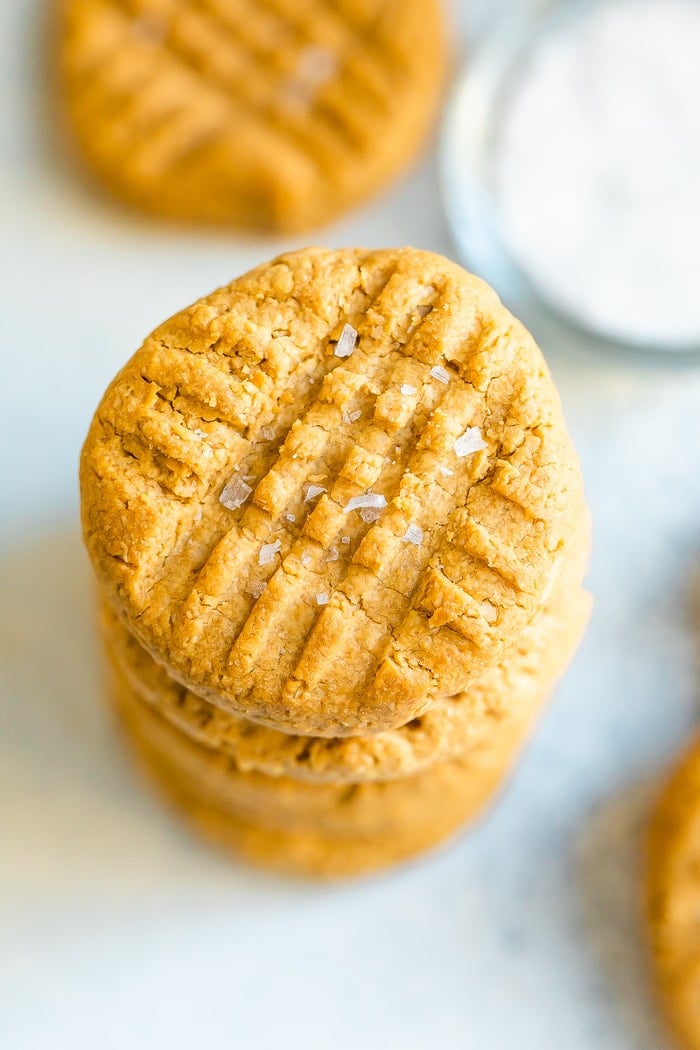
[340, 535]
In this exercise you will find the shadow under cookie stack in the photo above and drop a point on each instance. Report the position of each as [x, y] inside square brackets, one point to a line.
[339, 532]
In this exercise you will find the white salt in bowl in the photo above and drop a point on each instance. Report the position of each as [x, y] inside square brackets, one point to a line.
[570, 170]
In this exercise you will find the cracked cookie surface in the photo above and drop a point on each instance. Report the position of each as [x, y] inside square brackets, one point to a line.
[332, 491]
[276, 114]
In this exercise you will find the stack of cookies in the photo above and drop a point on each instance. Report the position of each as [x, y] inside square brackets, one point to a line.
[339, 532]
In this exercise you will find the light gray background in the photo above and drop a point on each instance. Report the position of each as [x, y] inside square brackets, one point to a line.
[115, 929]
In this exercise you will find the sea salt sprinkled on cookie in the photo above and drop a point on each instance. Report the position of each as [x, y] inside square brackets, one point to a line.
[344, 539]
[333, 554]
[322, 598]
[256, 587]
[268, 552]
[234, 494]
[291, 517]
[407, 389]
[439, 373]
[370, 500]
[446, 472]
[471, 441]
[347, 341]
[413, 534]
[352, 417]
[370, 514]
[401, 600]
[201, 434]
[312, 492]
[267, 433]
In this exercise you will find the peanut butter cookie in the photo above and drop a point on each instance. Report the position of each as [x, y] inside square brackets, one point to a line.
[673, 898]
[277, 114]
[448, 729]
[311, 853]
[380, 823]
[333, 491]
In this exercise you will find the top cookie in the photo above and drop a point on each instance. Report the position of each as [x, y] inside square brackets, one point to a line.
[332, 491]
[276, 115]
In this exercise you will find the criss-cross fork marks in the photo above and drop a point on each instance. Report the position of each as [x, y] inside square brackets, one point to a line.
[298, 82]
[290, 600]
[398, 448]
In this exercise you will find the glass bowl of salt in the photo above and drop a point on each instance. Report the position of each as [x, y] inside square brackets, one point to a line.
[570, 169]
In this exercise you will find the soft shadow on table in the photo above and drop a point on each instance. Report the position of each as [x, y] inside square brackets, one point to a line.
[73, 811]
[609, 878]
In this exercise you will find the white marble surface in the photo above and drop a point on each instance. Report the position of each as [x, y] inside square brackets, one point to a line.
[115, 930]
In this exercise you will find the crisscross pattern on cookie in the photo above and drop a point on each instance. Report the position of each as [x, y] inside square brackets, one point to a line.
[266, 110]
[253, 500]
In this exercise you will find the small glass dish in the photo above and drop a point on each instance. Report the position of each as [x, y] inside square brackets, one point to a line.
[493, 77]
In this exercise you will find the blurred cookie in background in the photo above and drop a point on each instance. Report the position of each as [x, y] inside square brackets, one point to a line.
[673, 898]
[273, 116]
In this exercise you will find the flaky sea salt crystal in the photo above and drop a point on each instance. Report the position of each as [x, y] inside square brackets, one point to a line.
[344, 539]
[268, 552]
[370, 500]
[439, 373]
[306, 558]
[471, 441]
[347, 341]
[267, 433]
[332, 554]
[256, 587]
[312, 492]
[291, 517]
[316, 64]
[201, 434]
[352, 417]
[446, 472]
[234, 494]
[407, 389]
[370, 514]
[315, 67]
[413, 534]
[322, 598]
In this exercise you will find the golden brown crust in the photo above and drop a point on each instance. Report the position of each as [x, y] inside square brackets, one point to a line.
[348, 627]
[673, 898]
[446, 730]
[276, 115]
